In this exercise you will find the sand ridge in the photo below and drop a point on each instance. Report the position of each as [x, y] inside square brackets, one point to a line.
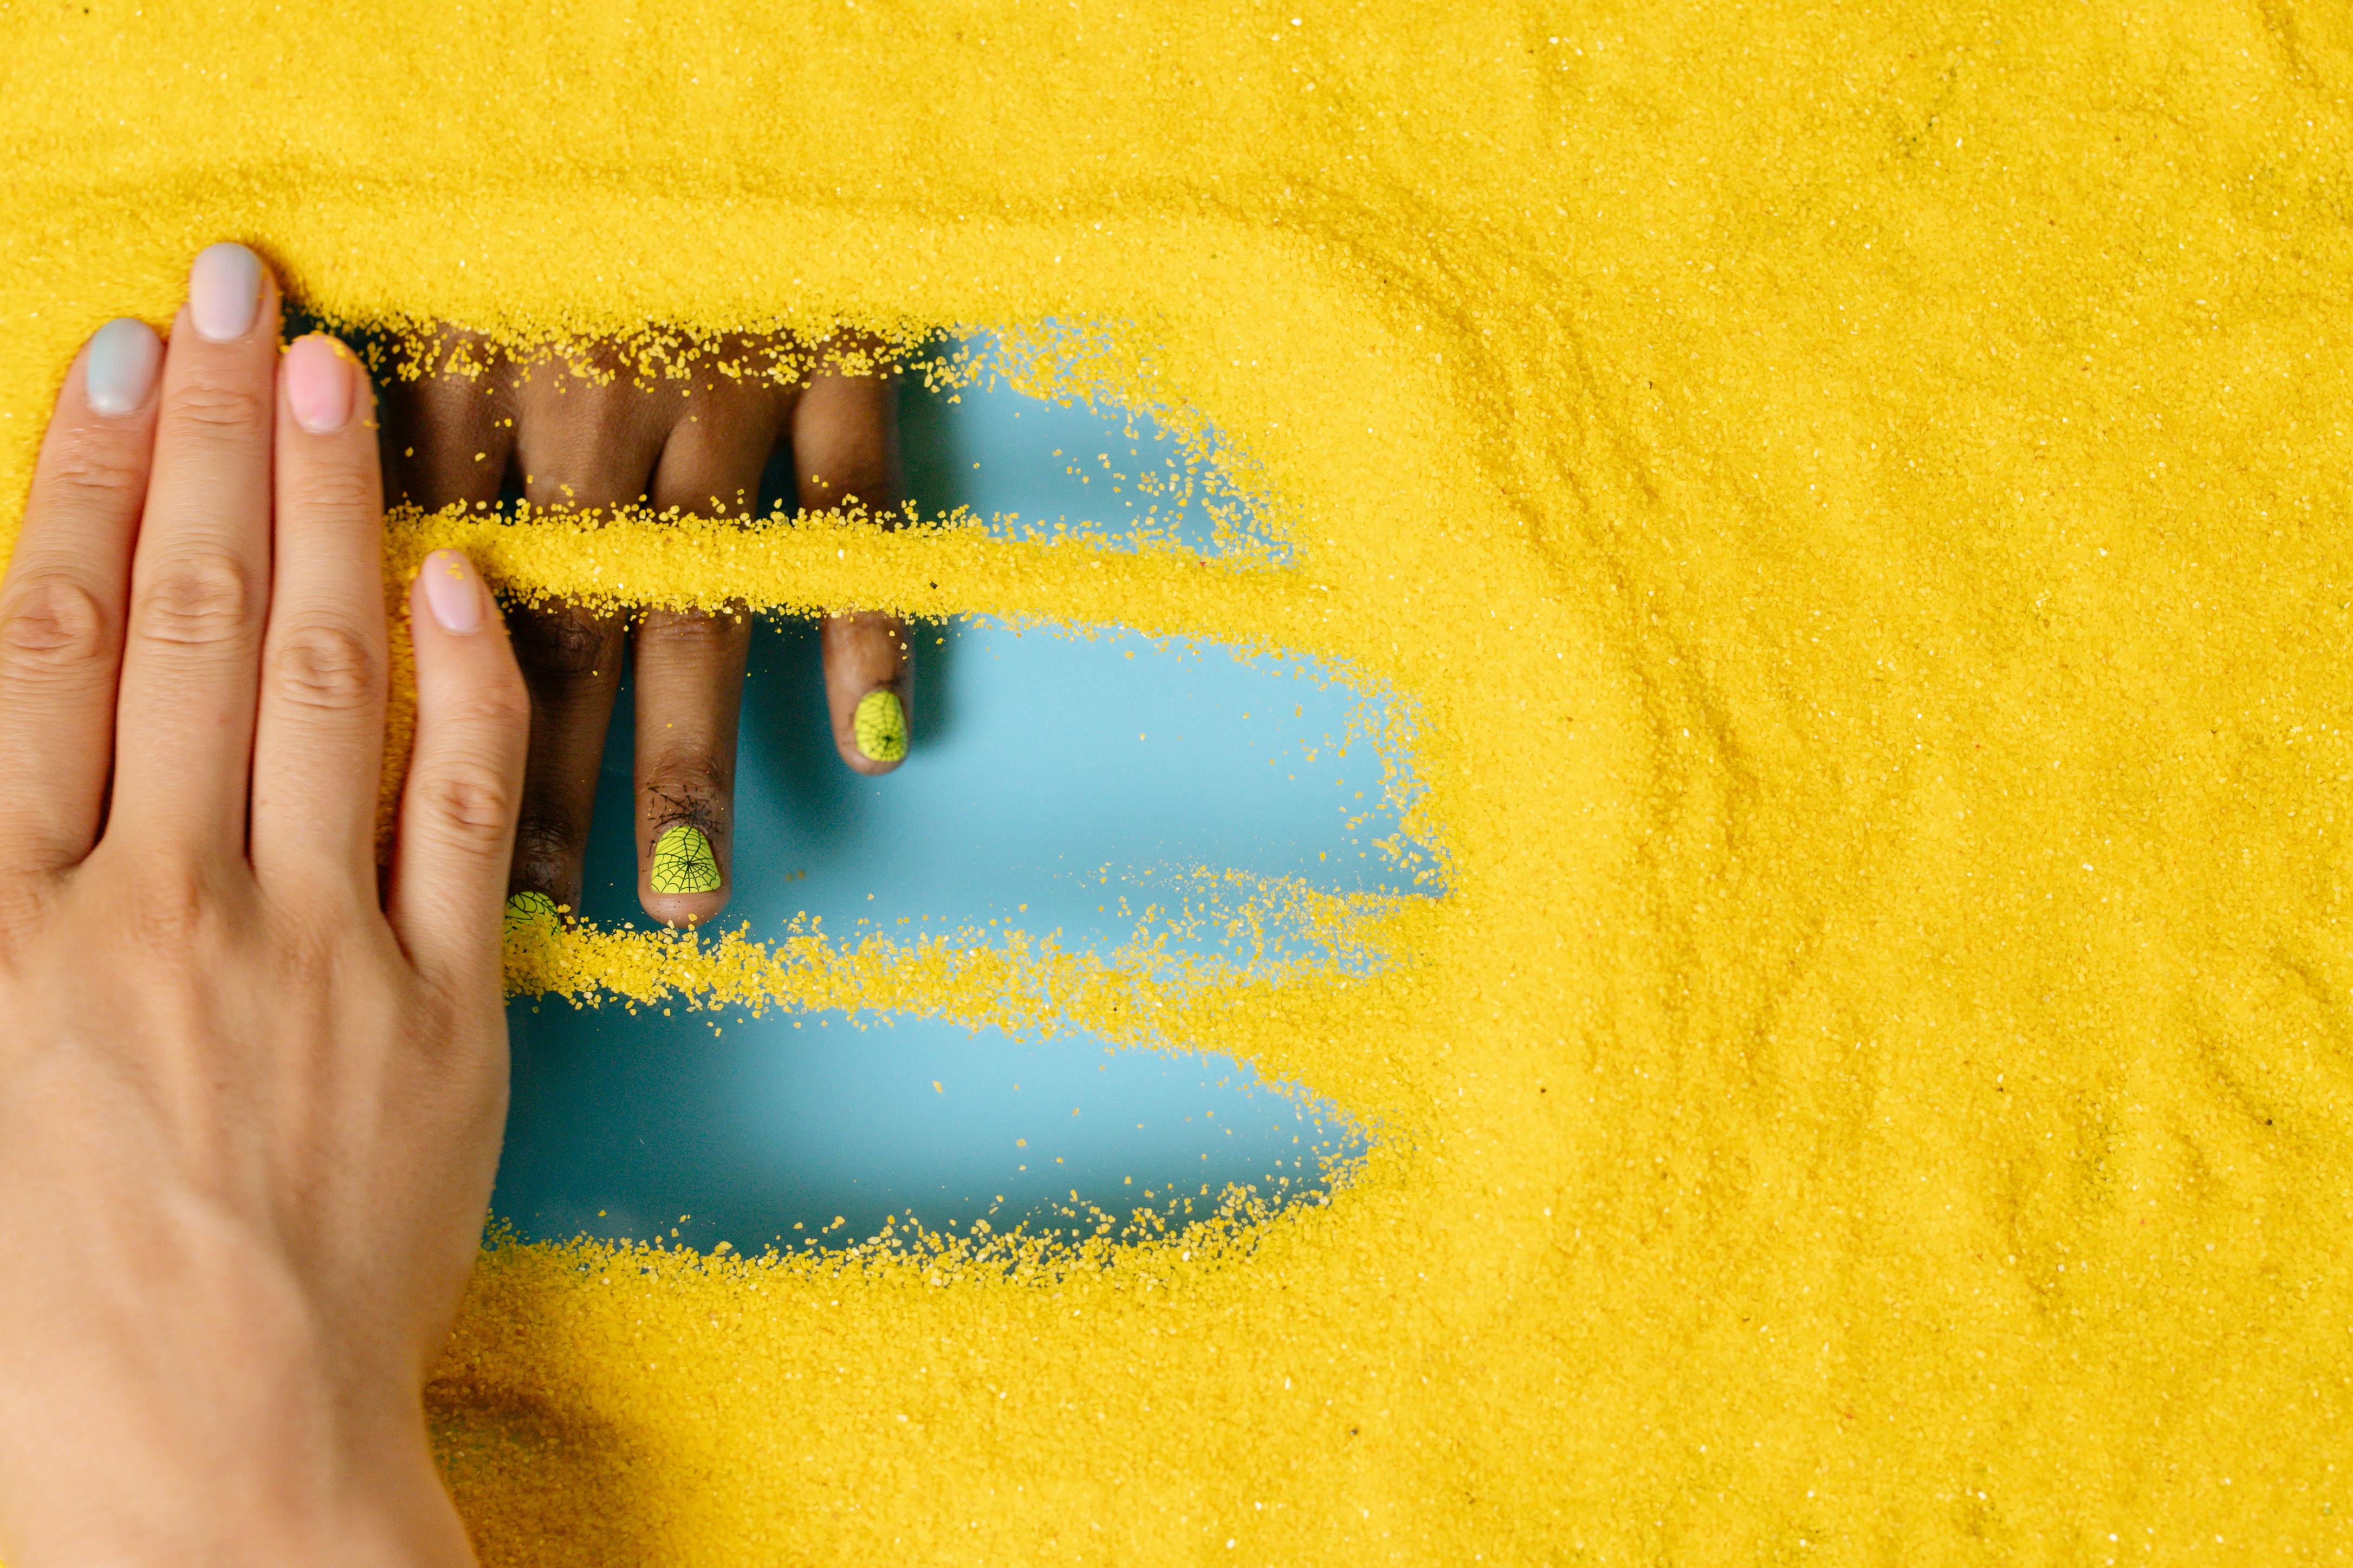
[1853, 497]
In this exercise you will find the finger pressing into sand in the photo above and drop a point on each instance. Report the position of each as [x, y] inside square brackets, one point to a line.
[319, 740]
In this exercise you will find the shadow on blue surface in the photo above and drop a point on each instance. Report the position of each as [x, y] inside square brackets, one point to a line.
[1030, 467]
[786, 1130]
[1075, 768]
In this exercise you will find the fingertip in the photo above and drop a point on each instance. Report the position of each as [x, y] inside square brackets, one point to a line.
[325, 384]
[546, 869]
[683, 883]
[228, 285]
[684, 910]
[452, 593]
[534, 915]
[461, 640]
[121, 366]
[877, 742]
[866, 678]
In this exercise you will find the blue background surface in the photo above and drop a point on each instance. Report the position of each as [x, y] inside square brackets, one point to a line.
[1052, 776]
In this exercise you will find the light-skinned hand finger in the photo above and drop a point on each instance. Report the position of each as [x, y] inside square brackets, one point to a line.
[465, 783]
[62, 604]
[319, 739]
[200, 573]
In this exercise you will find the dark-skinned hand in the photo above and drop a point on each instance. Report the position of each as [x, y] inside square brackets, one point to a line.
[589, 432]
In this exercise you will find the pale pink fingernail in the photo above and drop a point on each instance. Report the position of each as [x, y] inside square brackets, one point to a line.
[452, 591]
[224, 291]
[318, 383]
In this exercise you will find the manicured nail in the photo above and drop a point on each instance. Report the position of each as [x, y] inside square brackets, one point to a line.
[532, 914]
[224, 291]
[120, 371]
[683, 862]
[880, 726]
[452, 591]
[318, 383]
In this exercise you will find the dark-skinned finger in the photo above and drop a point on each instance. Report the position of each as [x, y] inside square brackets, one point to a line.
[571, 659]
[450, 434]
[845, 433]
[581, 443]
[868, 688]
[690, 667]
[690, 684]
[846, 453]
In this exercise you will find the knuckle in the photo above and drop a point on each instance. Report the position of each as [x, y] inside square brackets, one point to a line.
[294, 929]
[327, 667]
[337, 488]
[308, 940]
[172, 912]
[501, 709]
[567, 640]
[24, 900]
[543, 853]
[90, 470]
[209, 410]
[196, 601]
[55, 628]
[469, 799]
[697, 630]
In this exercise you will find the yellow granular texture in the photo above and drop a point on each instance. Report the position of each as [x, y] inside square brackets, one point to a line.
[1853, 497]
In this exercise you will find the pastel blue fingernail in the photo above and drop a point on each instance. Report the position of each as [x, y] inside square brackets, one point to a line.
[119, 372]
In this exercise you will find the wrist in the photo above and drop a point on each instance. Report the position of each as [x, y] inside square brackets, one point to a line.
[373, 1500]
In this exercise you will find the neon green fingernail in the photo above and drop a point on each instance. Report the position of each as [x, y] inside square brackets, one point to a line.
[683, 862]
[880, 726]
[532, 914]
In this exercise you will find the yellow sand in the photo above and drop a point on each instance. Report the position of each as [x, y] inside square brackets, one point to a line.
[1858, 494]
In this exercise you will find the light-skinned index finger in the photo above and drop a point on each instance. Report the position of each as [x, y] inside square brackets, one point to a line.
[62, 605]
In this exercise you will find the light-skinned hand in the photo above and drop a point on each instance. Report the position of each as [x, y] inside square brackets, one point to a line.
[250, 1105]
